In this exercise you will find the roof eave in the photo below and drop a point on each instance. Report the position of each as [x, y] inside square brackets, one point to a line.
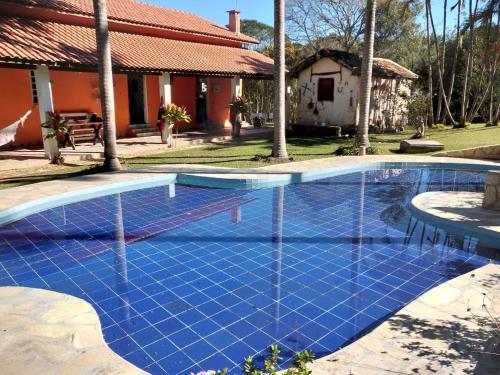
[77, 66]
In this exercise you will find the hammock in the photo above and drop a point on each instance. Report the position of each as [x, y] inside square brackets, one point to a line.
[8, 134]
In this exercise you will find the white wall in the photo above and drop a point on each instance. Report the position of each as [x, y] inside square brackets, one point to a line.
[342, 111]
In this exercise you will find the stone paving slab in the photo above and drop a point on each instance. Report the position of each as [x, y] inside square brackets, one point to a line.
[482, 152]
[44, 332]
[420, 145]
[444, 331]
[126, 148]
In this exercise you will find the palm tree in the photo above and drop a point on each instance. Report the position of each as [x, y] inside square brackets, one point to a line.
[279, 146]
[366, 77]
[111, 161]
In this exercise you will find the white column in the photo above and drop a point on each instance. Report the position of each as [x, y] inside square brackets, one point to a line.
[236, 91]
[166, 95]
[166, 88]
[45, 104]
[236, 87]
[207, 96]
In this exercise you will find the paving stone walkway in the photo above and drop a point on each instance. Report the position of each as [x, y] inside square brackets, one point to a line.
[445, 331]
[24, 158]
[44, 332]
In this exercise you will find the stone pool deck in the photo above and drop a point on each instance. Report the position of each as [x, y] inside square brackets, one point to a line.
[44, 332]
[444, 331]
[458, 212]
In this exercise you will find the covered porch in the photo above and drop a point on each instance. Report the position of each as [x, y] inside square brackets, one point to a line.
[51, 67]
[128, 147]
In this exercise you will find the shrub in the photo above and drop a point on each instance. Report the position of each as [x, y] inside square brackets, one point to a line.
[240, 104]
[462, 126]
[353, 150]
[172, 113]
[299, 364]
[490, 123]
[418, 107]
[438, 126]
[478, 120]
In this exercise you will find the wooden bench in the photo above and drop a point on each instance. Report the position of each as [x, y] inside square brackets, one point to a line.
[82, 126]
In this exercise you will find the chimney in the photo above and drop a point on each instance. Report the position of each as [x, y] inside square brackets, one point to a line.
[234, 21]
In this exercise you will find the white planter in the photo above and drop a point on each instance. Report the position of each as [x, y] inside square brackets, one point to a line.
[167, 134]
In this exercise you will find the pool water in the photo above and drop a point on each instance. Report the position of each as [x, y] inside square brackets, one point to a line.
[186, 279]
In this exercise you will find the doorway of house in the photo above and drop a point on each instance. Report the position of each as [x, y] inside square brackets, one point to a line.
[201, 100]
[136, 98]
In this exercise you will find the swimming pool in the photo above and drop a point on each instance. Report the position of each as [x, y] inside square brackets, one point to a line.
[187, 278]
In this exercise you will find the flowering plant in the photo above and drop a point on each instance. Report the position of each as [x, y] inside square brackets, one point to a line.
[212, 372]
[55, 124]
[172, 113]
[241, 104]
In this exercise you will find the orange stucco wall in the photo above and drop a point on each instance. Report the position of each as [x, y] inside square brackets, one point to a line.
[79, 92]
[153, 99]
[15, 100]
[218, 101]
[184, 94]
[72, 92]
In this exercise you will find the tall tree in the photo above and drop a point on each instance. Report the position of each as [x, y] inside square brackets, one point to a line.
[326, 23]
[366, 77]
[458, 42]
[469, 65]
[259, 91]
[443, 54]
[279, 146]
[430, 117]
[440, 64]
[111, 161]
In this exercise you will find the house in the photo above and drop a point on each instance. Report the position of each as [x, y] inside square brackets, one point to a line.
[48, 63]
[328, 90]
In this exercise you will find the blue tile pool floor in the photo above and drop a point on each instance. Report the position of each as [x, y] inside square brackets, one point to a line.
[186, 278]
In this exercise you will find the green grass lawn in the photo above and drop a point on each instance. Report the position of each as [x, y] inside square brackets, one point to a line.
[242, 154]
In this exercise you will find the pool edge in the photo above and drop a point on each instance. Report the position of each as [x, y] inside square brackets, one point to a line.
[212, 179]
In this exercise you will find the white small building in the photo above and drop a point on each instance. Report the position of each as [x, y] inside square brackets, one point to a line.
[329, 85]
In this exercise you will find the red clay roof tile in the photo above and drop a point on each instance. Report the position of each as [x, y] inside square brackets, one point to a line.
[383, 68]
[31, 41]
[133, 11]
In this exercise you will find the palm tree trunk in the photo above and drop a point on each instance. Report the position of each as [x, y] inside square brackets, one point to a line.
[430, 117]
[468, 67]
[111, 161]
[441, 89]
[455, 58]
[365, 88]
[279, 146]
[441, 62]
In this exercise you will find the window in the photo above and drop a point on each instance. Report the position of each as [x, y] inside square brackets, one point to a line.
[34, 92]
[325, 89]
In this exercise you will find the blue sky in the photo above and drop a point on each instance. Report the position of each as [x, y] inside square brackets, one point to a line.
[261, 10]
[216, 10]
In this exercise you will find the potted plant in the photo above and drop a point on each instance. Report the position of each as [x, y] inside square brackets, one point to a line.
[239, 106]
[170, 114]
[54, 126]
